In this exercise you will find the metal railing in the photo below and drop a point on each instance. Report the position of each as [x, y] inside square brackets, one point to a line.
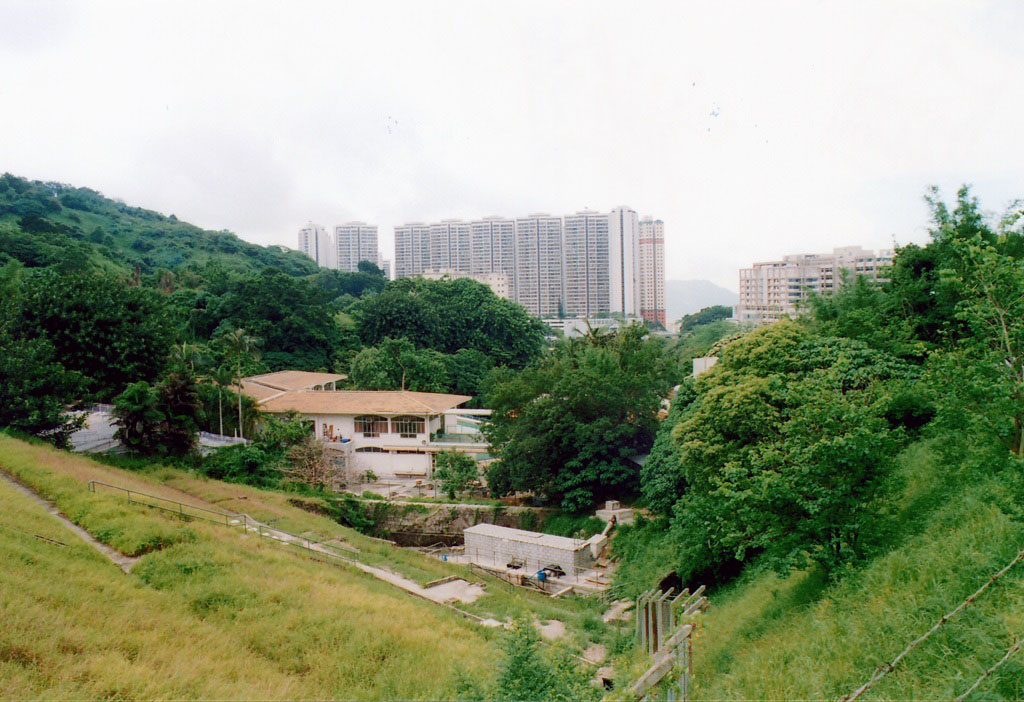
[169, 505]
[232, 519]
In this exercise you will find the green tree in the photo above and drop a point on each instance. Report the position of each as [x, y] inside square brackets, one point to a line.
[137, 415]
[179, 402]
[239, 345]
[569, 427]
[449, 315]
[982, 376]
[222, 377]
[786, 451]
[662, 478]
[289, 316]
[111, 333]
[526, 673]
[160, 419]
[36, 391]
[706, 316]
[395, 364]
[454, 470]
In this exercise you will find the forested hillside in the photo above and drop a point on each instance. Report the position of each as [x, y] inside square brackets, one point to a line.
[842, 481]
[46, 224]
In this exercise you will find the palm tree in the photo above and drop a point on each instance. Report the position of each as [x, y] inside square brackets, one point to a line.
[186, 356]
[222, 376]
[239, 343]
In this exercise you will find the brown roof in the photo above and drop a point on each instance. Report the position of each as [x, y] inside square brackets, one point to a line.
[263, 387]
[363, 402]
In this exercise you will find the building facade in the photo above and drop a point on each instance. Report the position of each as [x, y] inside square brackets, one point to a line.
[651, 251]
[492, 249]
[355, 242]
[624, 261]
[317, 243]
[774, 290]
[497, 282]
[450, 246]
[538, 265]
[394, 434]
[412, 249]
[587, 273]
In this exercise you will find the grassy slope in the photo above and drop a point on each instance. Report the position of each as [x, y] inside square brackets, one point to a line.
[309, 629]
[800, 638]
[215, 614]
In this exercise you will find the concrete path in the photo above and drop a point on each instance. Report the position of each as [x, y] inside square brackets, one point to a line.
[122, 561]
[460, 590]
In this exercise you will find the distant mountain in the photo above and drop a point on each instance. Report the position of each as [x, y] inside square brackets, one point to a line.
[689, 296]
[48, 224]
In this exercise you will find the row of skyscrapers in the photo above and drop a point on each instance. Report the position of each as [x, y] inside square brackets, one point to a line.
[588, 264]
[345, 248]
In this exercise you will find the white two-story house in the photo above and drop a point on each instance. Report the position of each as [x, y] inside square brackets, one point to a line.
[394, 433]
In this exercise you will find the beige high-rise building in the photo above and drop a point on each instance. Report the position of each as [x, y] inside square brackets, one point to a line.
[316, 242]
[773, 290]
[652, 270]
[497, 282]
[355, 242]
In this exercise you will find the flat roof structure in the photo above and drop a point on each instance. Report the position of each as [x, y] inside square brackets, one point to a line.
[527, 537]
[505, 547]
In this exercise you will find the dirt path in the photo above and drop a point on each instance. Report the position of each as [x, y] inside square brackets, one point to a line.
[122, 561]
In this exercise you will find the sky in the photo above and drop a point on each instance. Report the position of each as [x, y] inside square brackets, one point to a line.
[752, 129]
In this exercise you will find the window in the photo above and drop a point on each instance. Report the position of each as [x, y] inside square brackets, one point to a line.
[371, 425]
[370, 449]
[408, 427]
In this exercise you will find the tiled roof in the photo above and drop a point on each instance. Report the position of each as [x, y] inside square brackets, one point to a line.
[389, 402]
[294, 379]
[263, 387]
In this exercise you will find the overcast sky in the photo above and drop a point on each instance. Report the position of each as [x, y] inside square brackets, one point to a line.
[753, 129]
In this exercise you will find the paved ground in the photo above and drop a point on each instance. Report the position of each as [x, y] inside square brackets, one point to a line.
[466, 592]
[618, 611]
[122, 561]
[97, 434]
[551, 629]
[460, 590]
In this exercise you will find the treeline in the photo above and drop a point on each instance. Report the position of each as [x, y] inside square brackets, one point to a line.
[784, 452]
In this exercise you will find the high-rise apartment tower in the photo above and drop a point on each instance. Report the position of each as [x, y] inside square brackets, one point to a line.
[624, 261]
[316, 242]
[587, 274]
[652, 270]
[355, 242]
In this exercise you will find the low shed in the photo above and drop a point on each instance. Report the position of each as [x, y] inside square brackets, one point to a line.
[489, 544]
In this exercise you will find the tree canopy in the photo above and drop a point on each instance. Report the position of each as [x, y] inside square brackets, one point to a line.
[571, 427]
